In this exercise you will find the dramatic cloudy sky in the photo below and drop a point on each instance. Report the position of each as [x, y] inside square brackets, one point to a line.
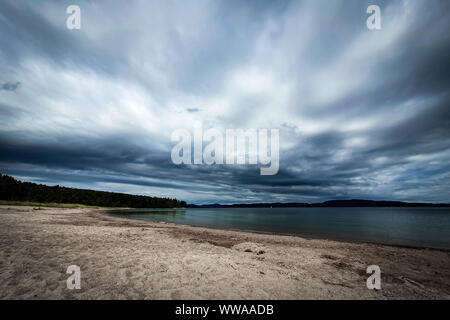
[361, 114]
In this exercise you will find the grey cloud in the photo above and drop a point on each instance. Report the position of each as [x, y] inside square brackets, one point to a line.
[383, 137]
[10, 86]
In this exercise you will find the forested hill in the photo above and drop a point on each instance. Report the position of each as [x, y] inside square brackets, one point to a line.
[14, 190]
[330, 204]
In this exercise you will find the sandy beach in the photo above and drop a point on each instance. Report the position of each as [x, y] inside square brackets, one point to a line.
[126, 259]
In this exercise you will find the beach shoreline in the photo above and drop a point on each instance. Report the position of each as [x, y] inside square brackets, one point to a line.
[302, 236]
[122, 258]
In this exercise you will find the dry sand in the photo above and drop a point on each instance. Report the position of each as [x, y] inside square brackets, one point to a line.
[126, 259]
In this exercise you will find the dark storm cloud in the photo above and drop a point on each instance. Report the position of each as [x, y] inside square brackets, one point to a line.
[25, 32]
[10, 86]
[362, 114]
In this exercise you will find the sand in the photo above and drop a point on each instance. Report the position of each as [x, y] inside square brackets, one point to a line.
[126, 259]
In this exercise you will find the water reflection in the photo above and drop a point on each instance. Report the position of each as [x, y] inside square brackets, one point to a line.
[427, 227]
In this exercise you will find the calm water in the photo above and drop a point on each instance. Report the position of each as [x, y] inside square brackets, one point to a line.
[425, 227]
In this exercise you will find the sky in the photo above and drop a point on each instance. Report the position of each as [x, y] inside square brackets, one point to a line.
[361, 113]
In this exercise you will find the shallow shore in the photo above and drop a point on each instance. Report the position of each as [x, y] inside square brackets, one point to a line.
[128, 259]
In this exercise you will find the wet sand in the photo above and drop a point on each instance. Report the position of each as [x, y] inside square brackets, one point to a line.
[127, 259]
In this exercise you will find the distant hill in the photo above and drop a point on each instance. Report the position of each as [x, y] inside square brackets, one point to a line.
[14, 190]
[331, 203]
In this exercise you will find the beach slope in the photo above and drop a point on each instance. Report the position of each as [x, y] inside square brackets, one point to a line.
[126, 259]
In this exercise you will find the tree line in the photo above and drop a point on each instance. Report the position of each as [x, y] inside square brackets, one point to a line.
[15, 190]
